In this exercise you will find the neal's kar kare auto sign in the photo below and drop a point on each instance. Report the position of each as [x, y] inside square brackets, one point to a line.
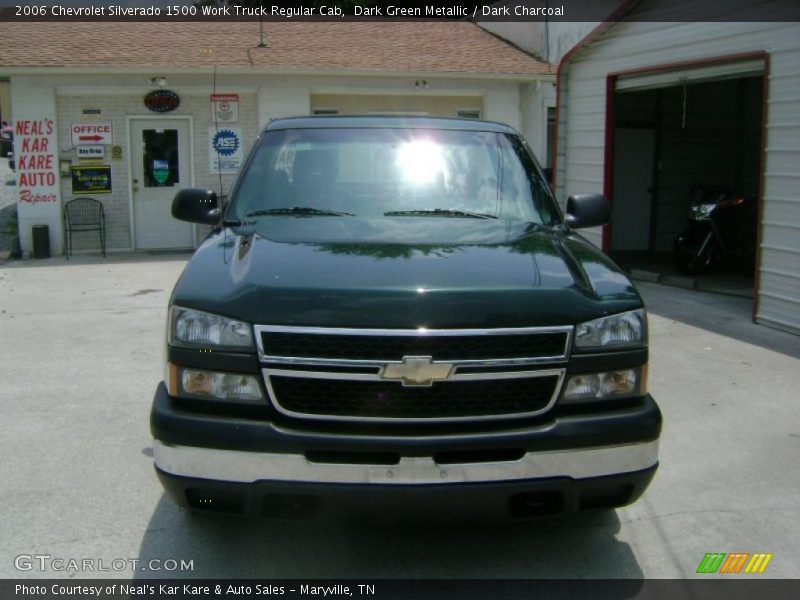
[35, 146]
[162, 101]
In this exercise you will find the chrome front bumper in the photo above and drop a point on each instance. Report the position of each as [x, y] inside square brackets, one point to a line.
[250, 467]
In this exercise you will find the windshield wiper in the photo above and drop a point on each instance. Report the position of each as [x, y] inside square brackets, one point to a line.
[438, 212]
[298, 210]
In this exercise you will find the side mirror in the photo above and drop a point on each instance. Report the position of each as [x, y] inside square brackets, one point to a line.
[588, 210]
[196, 206]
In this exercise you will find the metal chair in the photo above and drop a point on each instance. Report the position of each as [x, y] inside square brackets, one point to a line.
[81, 215]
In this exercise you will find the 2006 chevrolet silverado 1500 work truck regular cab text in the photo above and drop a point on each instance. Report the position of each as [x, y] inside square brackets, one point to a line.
[392, 313]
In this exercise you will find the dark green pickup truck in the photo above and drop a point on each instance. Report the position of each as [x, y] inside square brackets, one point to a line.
[393, 314]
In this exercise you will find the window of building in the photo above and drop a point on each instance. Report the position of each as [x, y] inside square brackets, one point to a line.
[468, 113]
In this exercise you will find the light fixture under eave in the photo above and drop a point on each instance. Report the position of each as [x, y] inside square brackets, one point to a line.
[159, 81]
[420, 84]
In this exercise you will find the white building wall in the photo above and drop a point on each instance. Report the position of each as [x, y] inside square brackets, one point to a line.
[534, 102]
[559, 37]
[523, 34]
[277, 98]
[283, 96]
[562, 36]
[34, 101]
[62, 97]
[549, 39]
[116, 108]
[501, 104]
[630, 45]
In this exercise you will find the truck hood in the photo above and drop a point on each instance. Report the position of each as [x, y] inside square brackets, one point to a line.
[404, 272]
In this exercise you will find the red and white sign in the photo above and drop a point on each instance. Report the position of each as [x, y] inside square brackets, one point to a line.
[224, 108]
[35, 144]
[91, 133]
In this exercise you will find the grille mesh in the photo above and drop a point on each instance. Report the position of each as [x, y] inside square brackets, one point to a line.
[390, 400]
[393, 348]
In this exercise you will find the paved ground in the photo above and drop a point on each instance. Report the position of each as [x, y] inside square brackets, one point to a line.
[81, 352]
[725, 277]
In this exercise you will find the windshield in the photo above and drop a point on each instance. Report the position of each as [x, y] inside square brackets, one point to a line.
[392, 173]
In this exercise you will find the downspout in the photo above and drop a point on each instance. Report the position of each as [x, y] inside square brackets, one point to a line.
[561, 94]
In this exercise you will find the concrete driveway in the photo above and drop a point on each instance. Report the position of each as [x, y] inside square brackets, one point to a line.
[81, 351]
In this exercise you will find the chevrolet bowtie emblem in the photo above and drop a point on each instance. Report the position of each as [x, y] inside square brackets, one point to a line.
[417, 370]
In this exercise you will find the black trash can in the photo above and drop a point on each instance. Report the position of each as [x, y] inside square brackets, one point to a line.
[41, 241]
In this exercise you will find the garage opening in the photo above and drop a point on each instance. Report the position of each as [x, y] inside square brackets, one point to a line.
[686, 175]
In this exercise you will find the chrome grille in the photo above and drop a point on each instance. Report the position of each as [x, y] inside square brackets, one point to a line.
[360, 374]
[367, 399]
[389, 347]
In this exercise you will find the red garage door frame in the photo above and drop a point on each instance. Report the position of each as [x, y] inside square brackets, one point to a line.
[608, 162]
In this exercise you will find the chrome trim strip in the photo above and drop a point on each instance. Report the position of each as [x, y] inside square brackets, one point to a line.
[344, 362]
[259, 329]
[249, 467]
[267, 372]
[376, 377]
[411, 332]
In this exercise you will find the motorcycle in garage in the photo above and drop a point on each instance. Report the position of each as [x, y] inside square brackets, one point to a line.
[722, 226]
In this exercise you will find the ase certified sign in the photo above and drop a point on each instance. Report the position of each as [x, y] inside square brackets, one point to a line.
[225, 149]
[91, 133]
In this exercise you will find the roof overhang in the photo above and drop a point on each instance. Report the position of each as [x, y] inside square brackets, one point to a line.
[222, 70]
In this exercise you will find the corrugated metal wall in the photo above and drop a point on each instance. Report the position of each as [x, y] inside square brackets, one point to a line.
[631, 45]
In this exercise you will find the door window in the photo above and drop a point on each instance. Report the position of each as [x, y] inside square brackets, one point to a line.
[161, 165]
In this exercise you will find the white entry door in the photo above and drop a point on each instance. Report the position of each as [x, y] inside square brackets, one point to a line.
[634, 153]
[161, 165]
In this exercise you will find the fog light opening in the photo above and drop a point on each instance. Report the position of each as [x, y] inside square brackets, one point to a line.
[218, 501]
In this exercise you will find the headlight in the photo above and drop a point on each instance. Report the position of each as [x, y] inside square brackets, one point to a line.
[196, 329]
[623, 383]
[702, 211]
[185, 382]
[626, 329]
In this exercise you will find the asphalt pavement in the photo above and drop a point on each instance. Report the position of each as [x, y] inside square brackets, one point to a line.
[81, 352]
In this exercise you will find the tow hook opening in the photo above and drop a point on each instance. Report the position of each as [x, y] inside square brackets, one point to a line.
[536, 504]
[289, 506]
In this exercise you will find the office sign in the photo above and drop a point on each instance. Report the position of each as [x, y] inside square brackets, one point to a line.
[84, 134]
